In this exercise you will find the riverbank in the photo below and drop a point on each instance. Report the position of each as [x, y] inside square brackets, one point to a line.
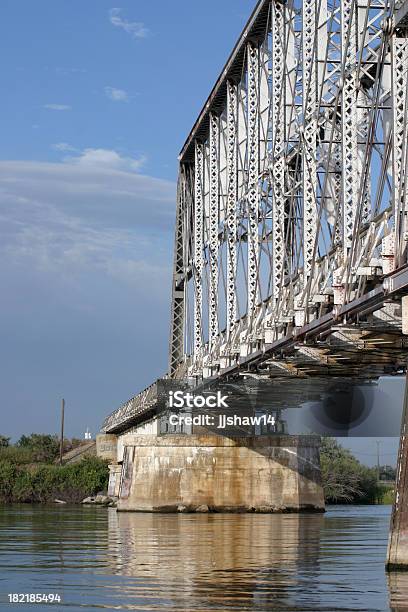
[45, 483]
[346, 480]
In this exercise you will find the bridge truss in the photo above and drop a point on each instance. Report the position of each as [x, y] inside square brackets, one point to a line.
[291, 234]
[292, 185]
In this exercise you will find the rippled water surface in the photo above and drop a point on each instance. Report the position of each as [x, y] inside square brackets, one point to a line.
[96, 558]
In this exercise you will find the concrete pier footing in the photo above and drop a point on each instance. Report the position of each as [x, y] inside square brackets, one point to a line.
[397, 556]
[107, 447]
[200, 473]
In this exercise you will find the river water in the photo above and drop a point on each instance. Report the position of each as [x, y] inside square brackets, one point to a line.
[95, 558]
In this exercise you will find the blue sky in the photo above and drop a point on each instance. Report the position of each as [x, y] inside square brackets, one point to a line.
[92, 75]
[97, 101]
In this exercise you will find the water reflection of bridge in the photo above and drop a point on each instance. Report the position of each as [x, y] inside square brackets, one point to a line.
[260, 562]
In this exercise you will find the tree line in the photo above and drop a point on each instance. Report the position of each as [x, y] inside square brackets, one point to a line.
[30, 473]
[347, 481]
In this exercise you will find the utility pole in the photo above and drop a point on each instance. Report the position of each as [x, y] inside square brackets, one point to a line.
[62, 430]
[378, 459]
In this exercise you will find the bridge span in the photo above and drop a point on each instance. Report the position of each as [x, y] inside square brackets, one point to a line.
[290, 255]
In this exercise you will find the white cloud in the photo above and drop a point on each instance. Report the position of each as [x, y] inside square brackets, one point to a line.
[63, 146]
[134, 28]
[88, 221]
[106, 158]
[57, 107]
[117, 95]
[95, 198]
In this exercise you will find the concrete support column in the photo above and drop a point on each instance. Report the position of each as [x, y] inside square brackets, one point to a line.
[115, 471]
[202, 473]
[397, 557]
[106, 447]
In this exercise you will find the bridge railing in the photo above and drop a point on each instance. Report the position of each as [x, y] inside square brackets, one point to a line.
[130, 410]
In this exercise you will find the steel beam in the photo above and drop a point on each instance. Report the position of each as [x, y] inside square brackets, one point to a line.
[309, 138]
[178, 289]
[364, 173]
[253, 174]
[198, 247]
[400, 137]
[232, 197]
[214, 176]
[278, 151]
[401, 13]
[349, 120]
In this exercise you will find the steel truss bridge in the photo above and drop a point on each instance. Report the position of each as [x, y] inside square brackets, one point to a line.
[290, 255]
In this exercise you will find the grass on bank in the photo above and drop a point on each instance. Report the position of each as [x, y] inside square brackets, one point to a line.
[347, 481]
[28, 473]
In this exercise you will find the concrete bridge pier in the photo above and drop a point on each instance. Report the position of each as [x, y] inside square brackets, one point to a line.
[397, 557]
[107, 448]
[190, 473]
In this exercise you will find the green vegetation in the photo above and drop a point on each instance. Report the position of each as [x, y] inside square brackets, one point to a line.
[347, 481]
[45, 483]
[43, 448]
[387, 496]
[4, 442]
[29, 474]
[35, 448]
